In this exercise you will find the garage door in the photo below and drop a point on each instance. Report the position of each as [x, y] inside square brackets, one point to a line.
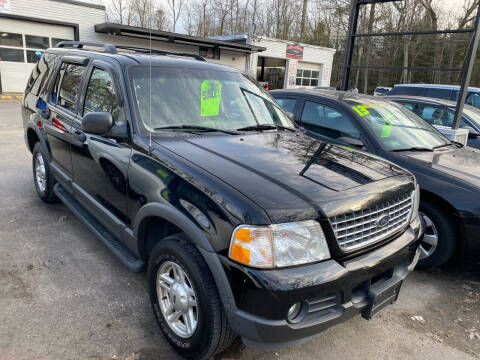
[21, 45]
[308, 74]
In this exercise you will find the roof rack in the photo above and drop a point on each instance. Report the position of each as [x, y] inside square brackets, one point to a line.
[112, 49]
[109, 48]
[160, 52]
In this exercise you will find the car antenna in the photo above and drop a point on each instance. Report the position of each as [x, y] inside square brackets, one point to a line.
[150, 86]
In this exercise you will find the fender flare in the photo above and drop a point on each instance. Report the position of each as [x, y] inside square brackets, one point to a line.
[41, 140]
[198, 238]
[174, 216]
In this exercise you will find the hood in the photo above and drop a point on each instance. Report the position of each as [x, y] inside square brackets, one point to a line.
[460, 163]
[291, 175]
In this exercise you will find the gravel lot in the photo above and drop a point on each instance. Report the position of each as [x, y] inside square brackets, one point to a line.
[64, 296]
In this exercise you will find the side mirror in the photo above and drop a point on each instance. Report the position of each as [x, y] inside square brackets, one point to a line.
[472, 133]
[351, 141]
[97, 123]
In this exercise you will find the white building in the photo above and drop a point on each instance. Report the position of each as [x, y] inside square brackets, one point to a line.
[28, 27]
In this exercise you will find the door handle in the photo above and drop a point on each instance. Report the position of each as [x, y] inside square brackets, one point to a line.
[79, 135]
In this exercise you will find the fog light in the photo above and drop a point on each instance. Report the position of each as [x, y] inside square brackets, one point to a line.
[294, 312]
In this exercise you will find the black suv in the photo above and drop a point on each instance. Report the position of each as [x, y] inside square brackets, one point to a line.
[245, 225]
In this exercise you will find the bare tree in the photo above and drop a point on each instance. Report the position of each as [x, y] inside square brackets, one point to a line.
[176, 7]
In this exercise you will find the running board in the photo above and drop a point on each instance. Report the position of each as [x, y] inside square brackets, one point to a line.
[128, 259]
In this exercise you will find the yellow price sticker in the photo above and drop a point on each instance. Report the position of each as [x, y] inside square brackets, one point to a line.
[361, 110]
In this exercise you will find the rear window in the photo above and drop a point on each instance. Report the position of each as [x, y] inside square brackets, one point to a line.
[406, 90]
[438, 93]
[39, 74]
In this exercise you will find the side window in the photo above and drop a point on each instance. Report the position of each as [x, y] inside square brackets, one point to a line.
[407, 90]
[66, 93]
[438, 93]
[408, 106]
[101, 94]
[473, 99]
[437, 116]
[287, 104]
[327, 121]
[463, 123]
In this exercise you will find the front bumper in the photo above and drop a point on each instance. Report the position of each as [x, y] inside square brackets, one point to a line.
[331, 292]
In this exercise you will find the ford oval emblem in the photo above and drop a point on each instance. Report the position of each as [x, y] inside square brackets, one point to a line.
[383, 221]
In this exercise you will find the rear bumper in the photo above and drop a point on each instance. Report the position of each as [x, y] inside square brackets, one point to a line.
[331, 292]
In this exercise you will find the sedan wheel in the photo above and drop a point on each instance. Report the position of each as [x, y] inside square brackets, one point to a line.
[430, 239]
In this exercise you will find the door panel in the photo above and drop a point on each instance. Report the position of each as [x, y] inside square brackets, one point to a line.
[62, 105]
[100, 163]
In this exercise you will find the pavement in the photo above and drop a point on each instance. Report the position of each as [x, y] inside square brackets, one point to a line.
[64, 296]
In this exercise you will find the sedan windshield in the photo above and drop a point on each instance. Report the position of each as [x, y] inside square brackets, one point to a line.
[396, 127]
[185, 99]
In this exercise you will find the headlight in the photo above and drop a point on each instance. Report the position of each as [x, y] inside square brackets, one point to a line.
[416, 201]
[279, 245]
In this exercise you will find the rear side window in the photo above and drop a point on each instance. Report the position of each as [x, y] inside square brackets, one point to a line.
[406, 90]
[438, 93]
[287, 104]
[437, 116]
[101, 94]
[473, 99]
[67, 85]
[327, 121]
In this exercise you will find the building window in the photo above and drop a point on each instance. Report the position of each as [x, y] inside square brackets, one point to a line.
[10, 39]
[34, 55]
[37, 42]
[15, 55]
[307, 77]
[55, 41]
[24, 48]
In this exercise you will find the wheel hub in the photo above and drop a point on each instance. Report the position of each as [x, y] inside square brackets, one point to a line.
[180, 298]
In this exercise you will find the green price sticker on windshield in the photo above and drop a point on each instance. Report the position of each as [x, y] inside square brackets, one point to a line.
[210, 98]
[387, 126]
[361, 110]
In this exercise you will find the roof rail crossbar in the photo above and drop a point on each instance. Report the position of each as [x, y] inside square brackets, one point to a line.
[161, 52]
[109, 48]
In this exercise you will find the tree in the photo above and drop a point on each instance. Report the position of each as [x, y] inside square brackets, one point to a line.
[176, 7]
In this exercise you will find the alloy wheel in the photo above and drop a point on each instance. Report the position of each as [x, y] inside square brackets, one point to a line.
[40, 173]
[177, 299]
[430, 238]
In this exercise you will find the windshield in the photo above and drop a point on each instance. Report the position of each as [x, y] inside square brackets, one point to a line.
[203, 98]
[473, 114]
[395, 127]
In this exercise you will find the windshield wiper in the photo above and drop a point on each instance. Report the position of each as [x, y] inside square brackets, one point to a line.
[266, 127]
[440, 146]
[414, 148]
[195, 128]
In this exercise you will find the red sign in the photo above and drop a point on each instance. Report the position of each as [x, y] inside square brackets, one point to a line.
[294, 51]
[4, 5]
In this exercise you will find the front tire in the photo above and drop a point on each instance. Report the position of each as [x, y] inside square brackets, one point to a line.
[185, 299]
[439, 241]
[42, 176]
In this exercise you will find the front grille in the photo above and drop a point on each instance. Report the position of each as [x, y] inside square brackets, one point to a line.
[358, 229]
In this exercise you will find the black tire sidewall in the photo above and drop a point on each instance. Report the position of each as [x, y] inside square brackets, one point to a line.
[446, 236]
[168, 250]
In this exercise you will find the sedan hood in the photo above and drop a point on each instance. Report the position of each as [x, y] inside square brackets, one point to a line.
[291, 175]
[461, 163]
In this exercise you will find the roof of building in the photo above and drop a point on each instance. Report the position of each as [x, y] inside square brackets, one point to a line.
[143, 33]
